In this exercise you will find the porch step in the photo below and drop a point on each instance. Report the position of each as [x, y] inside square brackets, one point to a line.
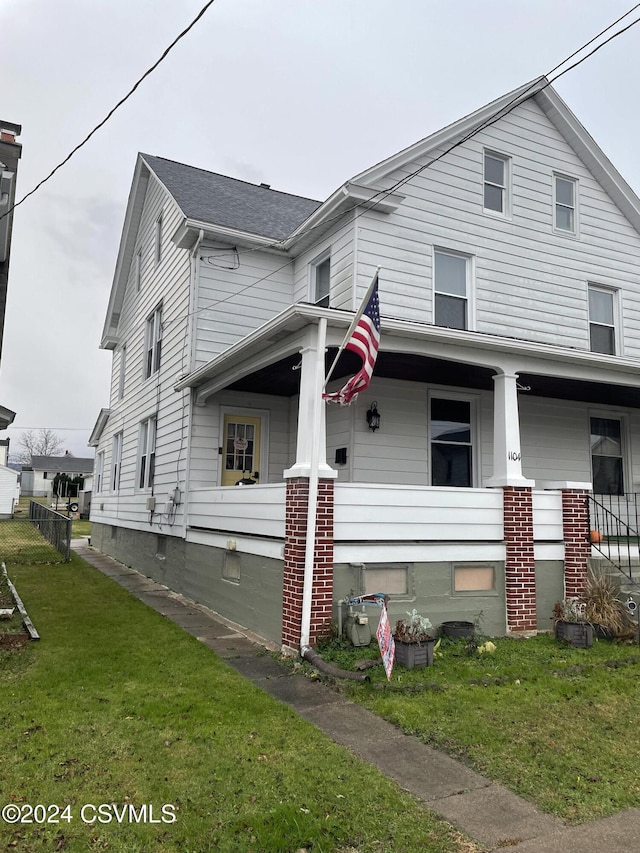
[628, 577]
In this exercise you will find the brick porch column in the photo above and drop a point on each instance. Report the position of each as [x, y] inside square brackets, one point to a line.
[297, 497]
[520, 567]
[577, 547]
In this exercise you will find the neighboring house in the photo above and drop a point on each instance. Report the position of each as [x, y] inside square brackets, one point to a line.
[9, 491]
[10, 153]
[508, 379]
[38, 479]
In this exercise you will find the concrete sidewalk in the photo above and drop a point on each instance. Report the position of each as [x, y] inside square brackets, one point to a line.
[487, 812]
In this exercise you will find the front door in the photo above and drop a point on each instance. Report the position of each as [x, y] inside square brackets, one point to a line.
[240, 450]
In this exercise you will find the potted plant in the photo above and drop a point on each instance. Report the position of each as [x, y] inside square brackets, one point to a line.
[571, 623]
[608, 615]
[414, 641]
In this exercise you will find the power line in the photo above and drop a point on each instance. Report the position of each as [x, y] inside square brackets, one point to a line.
[113, 109]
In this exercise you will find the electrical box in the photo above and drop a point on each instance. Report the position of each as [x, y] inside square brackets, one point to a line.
[151, 503]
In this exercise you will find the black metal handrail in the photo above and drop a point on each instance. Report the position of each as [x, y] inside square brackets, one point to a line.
[614, 522]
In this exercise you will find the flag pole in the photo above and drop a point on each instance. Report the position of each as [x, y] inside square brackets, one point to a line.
[354, 323]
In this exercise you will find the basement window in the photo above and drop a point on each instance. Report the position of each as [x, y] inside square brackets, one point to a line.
[471, 579]
[231, 567]
[392, 580]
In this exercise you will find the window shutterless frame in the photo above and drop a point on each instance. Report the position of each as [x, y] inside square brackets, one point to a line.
[320, 280]
[603, 316]
[497, 184]
[452, 288]
[565, 205]
[147, 452]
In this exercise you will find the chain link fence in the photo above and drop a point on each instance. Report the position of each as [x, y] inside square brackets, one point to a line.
[43, 537]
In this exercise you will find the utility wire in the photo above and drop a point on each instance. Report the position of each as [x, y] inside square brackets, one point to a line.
[113, 109]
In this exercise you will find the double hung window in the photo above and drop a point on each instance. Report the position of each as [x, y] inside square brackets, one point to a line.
[451, 289]
[496, 183]
[602, 327]
[153, 342]
[451, 438]
[607, 456]
[565, 210]
[147, 453]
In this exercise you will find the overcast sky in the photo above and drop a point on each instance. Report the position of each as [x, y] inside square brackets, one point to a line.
[301, 94]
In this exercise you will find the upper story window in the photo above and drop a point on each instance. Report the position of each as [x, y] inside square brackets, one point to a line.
[158, 239]
[123, 367]
[153, 342]
[602, 327]
[451, 289]
[99, 467]
[497, 174]
[116, 461]
[320, 281]
[138, 270]
[147, 453]
[565, 211]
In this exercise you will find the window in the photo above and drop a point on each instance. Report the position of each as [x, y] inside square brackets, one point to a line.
[138, 270]
[451, 442]
[392, 579]
[158, 240]
[99, 470]
[123, 365]
[564, 217]
[147, 453]
[116, 461]
[451, 274]
[231, 566]
[153, 345]
[606, 456]
[496, 180]
[321, 281]
[473, 579]
[602, 332]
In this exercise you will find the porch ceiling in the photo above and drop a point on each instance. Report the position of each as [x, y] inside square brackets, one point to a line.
[283, 380]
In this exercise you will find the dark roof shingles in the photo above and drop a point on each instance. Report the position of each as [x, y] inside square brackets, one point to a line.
[221, 200]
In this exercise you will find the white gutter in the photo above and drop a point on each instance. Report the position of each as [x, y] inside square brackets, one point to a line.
[312, 504]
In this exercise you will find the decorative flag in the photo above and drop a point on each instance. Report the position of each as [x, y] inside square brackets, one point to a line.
[386, 642]
[363, 340]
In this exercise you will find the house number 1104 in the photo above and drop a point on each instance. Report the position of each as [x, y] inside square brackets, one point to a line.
[514, 456]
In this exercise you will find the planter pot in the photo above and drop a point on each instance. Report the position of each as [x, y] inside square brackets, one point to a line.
[457, 629]
[414, 655]
[577, 634]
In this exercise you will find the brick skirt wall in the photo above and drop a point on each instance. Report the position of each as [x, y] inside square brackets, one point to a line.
[294, 556]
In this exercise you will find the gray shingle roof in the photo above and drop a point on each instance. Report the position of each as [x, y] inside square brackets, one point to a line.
[220, 200]
[62, 464]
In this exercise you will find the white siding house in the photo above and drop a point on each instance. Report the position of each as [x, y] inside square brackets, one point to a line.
[508, 379]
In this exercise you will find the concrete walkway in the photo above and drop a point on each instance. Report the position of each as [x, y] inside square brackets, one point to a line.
[487, 812]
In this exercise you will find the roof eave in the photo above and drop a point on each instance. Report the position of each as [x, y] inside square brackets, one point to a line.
[188, 233]
[101, 422]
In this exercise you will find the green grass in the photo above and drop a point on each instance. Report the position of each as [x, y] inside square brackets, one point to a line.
[557, 725]
[116, 704]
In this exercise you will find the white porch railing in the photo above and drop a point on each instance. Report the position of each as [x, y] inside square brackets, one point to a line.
[256, 510]
[365, 512]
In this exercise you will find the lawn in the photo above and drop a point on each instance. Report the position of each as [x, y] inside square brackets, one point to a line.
[555, 724]
[117, 705]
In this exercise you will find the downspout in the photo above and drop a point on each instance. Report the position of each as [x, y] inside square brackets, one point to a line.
[312, 504]
[191, 320]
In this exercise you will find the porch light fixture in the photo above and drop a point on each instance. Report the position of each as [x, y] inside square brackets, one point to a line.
[373, 416]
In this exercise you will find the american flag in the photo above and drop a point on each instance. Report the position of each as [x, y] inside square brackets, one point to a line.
[364, 340]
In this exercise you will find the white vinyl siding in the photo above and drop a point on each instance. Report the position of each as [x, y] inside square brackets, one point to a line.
[529, 280]
[167, 284]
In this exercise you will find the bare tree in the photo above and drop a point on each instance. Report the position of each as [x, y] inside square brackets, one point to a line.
[41, 442]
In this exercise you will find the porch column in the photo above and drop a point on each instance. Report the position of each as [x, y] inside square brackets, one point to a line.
[311, 606]
[520, 566]
[507, 457]
[577, 546]
[294, 561]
